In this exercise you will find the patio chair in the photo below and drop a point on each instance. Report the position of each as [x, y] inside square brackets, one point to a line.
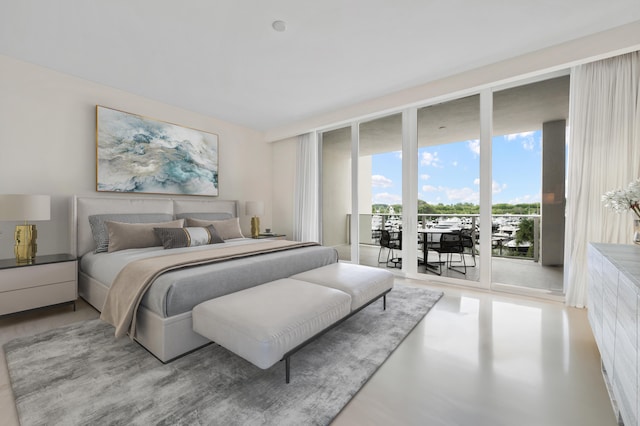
[468, 243]
[450, 244]
[391, 242]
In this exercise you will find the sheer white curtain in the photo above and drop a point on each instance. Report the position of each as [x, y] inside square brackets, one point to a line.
[306, 224]
[604, 154]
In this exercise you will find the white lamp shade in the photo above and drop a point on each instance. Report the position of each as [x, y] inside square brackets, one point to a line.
[18, 207]
[255, 208]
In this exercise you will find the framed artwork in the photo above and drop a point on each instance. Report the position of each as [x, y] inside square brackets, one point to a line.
[138, 154]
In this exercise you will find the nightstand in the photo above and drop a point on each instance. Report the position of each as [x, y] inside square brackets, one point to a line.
[271, 237]
[49, 280]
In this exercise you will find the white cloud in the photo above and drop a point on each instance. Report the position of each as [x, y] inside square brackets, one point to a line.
[425, 176]
[387, 198]
[496, 188]
[454, 164]
[526, 139]
[469, 195]
[515, 136]
[463, 195]
[454, 195]
[429, 159]
[525, 199]
[398, 154]
[431, 188]
[528, 144]
[379, 181]
[474, 146]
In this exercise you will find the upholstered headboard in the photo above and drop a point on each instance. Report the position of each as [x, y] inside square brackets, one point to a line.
[83, 207]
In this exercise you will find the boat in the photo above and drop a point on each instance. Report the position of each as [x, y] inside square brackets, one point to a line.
[523, 247]
[448, 223]
[394, 223]
[376, 222]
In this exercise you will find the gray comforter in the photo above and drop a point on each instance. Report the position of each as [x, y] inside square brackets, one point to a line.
[179, 291]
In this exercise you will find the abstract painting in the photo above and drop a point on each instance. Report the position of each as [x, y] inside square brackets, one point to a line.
[138, 154]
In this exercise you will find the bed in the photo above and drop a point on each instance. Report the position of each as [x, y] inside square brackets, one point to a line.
[164, 318]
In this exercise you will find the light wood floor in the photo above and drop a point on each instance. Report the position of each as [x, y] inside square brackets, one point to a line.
[476, 359]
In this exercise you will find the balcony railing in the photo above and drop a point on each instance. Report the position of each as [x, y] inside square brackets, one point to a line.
[503, 230]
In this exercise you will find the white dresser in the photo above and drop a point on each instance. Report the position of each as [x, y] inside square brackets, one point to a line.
[614, 315]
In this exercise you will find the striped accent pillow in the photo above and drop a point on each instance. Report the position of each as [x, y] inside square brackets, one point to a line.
[188, 237]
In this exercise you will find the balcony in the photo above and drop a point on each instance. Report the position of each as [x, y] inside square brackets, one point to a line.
[513, 263]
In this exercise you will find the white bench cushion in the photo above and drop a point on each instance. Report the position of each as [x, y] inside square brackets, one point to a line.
[363, 283]
[263, 323]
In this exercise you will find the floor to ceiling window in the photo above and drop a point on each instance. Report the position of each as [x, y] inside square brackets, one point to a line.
[528, 181]
[380, 191]
[515, 158]
[448, 188]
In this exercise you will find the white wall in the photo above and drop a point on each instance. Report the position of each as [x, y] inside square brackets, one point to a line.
[283, 184]
[47, 146]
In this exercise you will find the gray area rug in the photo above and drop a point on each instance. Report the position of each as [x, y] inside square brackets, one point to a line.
[80, 374]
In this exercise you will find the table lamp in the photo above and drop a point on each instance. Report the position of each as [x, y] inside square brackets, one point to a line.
[255, 209]
[21, 207]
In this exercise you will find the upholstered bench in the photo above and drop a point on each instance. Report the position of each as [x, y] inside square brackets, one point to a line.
[261, 324]
[268, 323]
[363, 283]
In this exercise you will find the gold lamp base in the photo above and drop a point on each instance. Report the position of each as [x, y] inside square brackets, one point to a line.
[26, 247]
[255, 227]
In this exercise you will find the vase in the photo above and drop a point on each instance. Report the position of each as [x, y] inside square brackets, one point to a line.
[636, 231]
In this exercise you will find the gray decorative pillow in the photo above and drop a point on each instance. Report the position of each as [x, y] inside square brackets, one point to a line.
[136, 235]
[99, 230]
[228, 228]
[188, 237]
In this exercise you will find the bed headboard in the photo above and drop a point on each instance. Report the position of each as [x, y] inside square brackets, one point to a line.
[83, 207]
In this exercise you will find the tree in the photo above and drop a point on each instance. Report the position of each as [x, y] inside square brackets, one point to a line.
[425, 208]
[379, 208]
[525, 231]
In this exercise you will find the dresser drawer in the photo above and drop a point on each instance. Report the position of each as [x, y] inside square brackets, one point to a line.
[625, 386]
[626, 313]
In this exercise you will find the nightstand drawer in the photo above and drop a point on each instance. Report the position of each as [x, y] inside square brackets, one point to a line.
[37, 275]
[35, 297]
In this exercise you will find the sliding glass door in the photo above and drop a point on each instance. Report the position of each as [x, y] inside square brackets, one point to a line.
[448, 188]
[469, 190]
[380, 191]
[528, 206]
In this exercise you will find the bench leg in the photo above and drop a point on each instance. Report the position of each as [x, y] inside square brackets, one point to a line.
[287, 356]
[287, 368]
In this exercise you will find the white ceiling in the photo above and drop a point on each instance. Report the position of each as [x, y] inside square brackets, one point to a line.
[222, 58]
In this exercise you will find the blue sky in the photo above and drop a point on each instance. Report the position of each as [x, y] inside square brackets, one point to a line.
[449, 174]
